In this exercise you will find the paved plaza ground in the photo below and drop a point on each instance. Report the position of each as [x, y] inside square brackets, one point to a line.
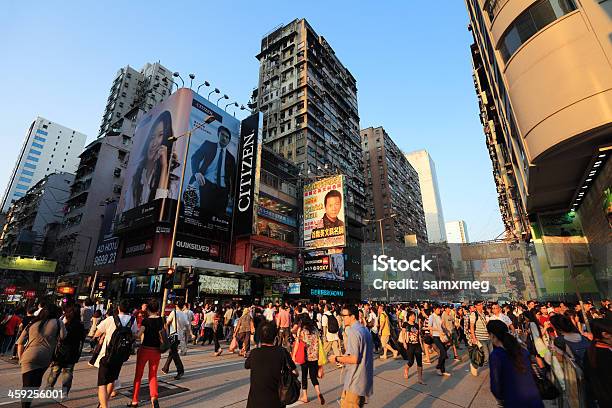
[213, 382]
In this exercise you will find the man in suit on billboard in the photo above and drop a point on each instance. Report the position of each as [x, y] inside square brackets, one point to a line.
[214, 169]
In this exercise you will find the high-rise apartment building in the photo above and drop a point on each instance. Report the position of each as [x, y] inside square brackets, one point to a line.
[48, 148]
[131, 88]
[422, 162]
[309, 102]
[544, 82]
[456, 232]
[30, 219]
[392, 185]
[100, 172]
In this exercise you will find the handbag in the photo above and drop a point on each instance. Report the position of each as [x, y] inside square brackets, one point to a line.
[402, 337]
[322, 355]
[289, 387]
[476, 355]
[299, 351]
[164, 341]
[62, 353]
[547, 390]
[174, 339]
[233, 345]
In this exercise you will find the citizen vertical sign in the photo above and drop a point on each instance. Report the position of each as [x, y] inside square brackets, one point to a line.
[247, 187]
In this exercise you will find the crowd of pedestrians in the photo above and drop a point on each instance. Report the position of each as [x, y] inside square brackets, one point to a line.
[533, 351]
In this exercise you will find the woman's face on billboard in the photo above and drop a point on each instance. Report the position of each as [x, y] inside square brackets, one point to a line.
[156, 142]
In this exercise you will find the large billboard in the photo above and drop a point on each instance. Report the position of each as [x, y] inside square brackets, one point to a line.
[324, 213]
[156, 166]
[210, 174]
[247, 187]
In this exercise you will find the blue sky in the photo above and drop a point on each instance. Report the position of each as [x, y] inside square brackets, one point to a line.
[411, 61]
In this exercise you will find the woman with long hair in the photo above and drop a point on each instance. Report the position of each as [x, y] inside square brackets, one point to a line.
[150, 180]
[69, 352]
[512, 380]
[149, 352]
[309, 334]
[36, 345]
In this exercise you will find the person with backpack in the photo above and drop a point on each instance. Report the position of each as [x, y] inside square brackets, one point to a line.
[119, 333]
[149, 352]
[329, 323]
[479, 336]
[68, 351]
[36, 345]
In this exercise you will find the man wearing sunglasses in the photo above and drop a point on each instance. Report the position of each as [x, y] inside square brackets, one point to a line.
[359, 361]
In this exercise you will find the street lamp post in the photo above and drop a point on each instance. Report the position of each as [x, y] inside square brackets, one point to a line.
[192, 77]
[177, 75]
[206, 83]
[223, 97]
[208, 120]
[382, 241]
[216, 90]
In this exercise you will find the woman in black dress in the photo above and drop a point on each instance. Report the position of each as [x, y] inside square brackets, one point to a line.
[265, 364]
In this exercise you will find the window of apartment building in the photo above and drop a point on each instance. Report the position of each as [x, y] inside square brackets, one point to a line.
[34, 159]
[29, 165]
[530, 22]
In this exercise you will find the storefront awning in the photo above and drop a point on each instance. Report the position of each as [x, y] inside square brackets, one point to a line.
[202, 264]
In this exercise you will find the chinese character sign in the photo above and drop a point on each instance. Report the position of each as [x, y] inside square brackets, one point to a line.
[324, 222]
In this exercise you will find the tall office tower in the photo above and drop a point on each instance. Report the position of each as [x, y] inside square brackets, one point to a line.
[309, 102]
[99, 176]
[430, 193]
[544, 82]
[456, 232]
[48, 148]
[393, 187]
[131, 88]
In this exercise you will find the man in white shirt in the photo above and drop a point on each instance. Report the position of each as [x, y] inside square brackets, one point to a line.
[207, 323]
[269, 313]
[498, 315]
[437, 331]
[228, 322]
[176, 324]
[331, 340]
[108, 371]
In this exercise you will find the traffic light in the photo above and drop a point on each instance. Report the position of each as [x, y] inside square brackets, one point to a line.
[191, 277]
[169, 278]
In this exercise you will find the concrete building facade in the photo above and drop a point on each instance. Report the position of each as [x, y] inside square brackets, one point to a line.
[32, 217]
[48, 148]
[99, 177]
[132, 88]
[392, 184]
[543, 76]
[422, 162]
[309, 103]
[456, 232]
